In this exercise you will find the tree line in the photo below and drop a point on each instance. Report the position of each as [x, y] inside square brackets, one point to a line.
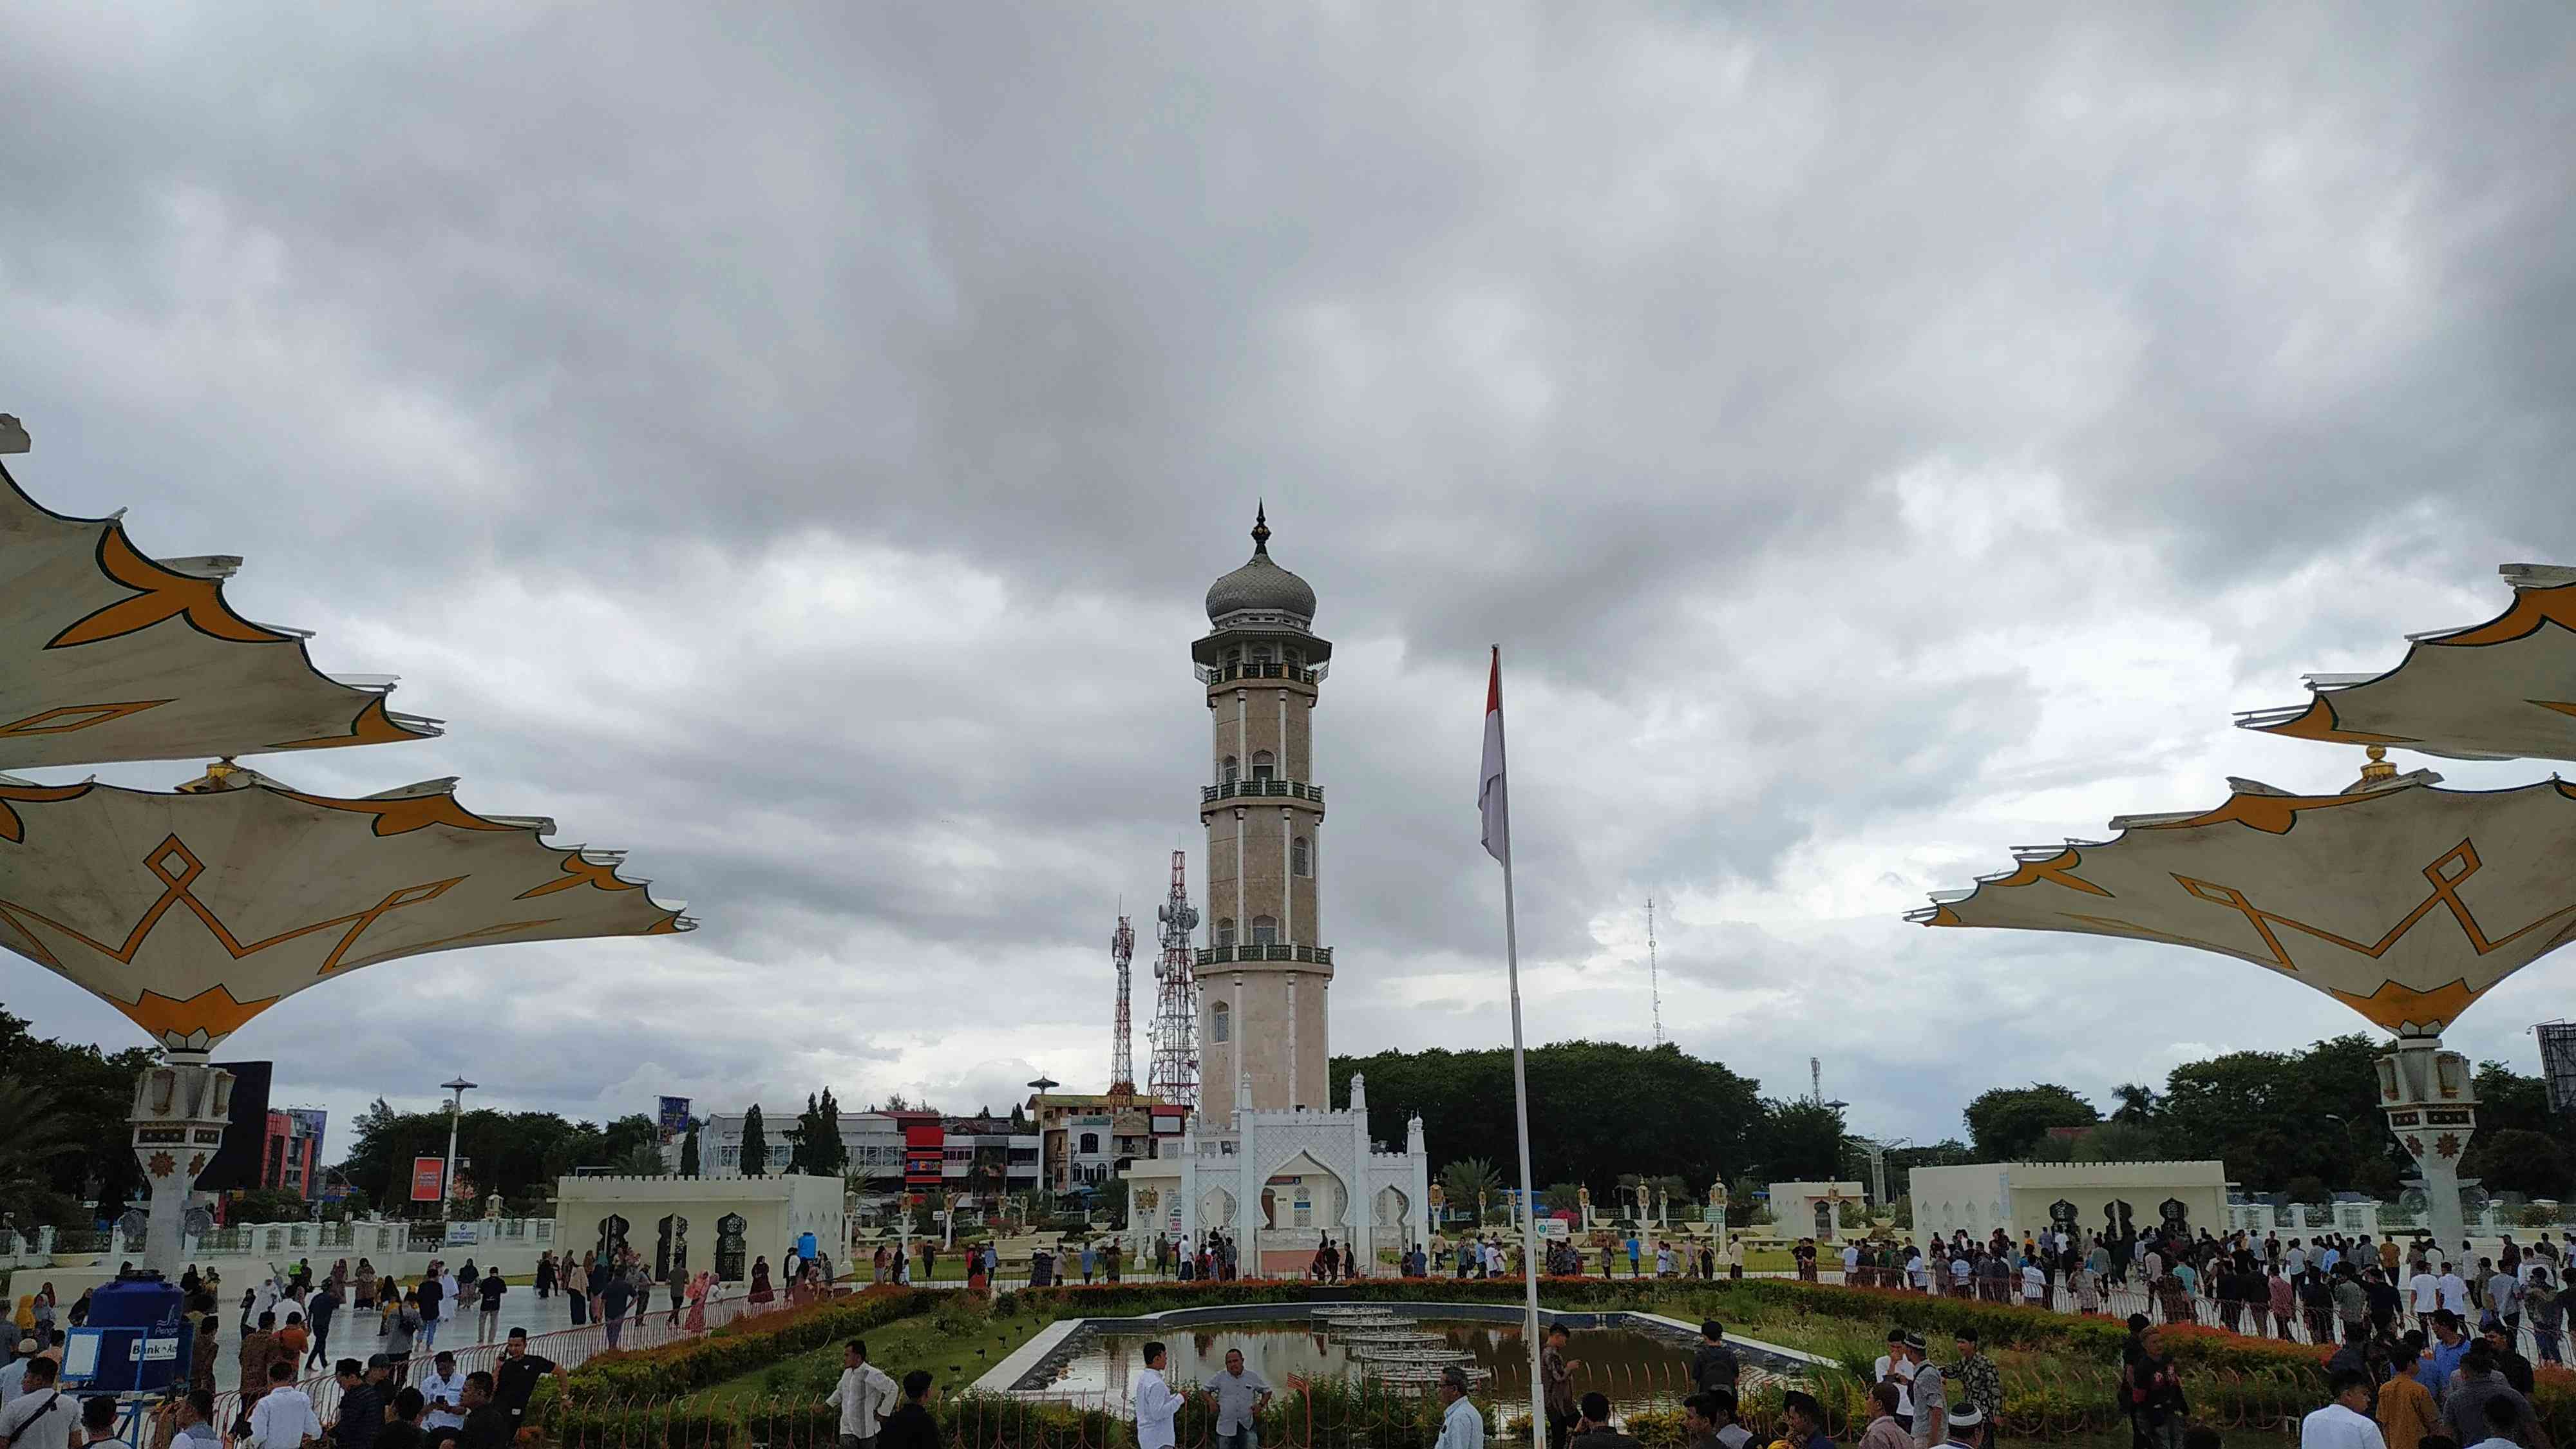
[2304, 1122]
[1600, 1112]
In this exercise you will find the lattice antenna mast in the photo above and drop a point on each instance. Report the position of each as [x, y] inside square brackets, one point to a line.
[1175, 1079]
[1122, 1046]
[1654, 978]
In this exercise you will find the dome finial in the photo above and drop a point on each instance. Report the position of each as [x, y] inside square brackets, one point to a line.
[1261, 529]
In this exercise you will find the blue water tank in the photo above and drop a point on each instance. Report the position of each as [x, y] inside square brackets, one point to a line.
[138, 1337]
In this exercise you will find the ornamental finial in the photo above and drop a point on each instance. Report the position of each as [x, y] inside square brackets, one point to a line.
[1261, 529]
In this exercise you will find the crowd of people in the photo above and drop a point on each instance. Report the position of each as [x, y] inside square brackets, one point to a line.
[2318, 1290]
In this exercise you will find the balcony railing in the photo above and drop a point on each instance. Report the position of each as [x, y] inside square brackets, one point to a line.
[1254, 789]
[1229, 673]
[1224, 955]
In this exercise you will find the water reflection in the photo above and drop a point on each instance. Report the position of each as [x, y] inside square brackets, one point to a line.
[1633, 1368]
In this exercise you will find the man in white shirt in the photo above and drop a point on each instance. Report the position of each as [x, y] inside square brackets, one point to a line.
[1462, 1424]
[1851, 1262]
[2454, 1291]
[1154, 1403]
[2345, 1423]
[13, 1378]
[442, 1393]
[2295, 1261]
[284, 1417]
[42, 1416]
[2428, 1293]
[1896, 1367]
[865, 1395]
[1238, 1395]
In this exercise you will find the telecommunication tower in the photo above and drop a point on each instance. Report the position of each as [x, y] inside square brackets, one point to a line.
[1654, 978]
[1122, 1048]
[1175, 1078]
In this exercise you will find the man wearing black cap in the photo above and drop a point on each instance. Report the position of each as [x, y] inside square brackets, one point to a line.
[362, 1408]
[515, 1377]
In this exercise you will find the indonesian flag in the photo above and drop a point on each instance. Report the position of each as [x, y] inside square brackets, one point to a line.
[1492, 795]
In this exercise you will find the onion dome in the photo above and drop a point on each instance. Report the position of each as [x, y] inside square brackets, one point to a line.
[1260, 584]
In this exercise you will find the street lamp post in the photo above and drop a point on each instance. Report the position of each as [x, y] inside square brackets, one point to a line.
[1042, 1085]
[456, 1091]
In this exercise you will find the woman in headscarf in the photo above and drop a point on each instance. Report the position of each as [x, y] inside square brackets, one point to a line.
[699, 1287]
[760, 1290]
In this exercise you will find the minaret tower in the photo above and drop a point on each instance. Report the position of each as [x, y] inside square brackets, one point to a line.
[1263, 972]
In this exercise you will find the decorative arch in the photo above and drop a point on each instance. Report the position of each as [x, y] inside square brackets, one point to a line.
[1216, 1209]
[1327, 1209]
[1393, 1208]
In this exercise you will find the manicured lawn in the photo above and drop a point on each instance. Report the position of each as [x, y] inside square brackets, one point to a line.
[954, 1359]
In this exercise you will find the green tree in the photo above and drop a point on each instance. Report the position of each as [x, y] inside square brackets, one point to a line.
[267, 1205]
[641, 1160]
[1473, 1184]
[2137, 1104]
[92, 1090]
[2518, 1159]
[827, 1155]
[1801, 1142]
[1597, 1109]
[2006, 1122]
[1564, 1197]
[689, 1164]
[2266, 1115]
[39, 1139]
[755, 1144]
[2117, 1141]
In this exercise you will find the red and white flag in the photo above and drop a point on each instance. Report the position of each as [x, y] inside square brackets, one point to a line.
[1492, 796]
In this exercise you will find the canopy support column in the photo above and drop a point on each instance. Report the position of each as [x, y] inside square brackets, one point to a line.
[2432, 1108]
[180, 1110]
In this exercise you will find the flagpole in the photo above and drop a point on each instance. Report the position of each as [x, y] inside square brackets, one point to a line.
[1529, 1196]
[1520, 1112]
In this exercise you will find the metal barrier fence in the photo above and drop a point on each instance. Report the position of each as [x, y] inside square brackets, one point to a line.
[570, 1347]
[2058, 1401]
[2300, 1324]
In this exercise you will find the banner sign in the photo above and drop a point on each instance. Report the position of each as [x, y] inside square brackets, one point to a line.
[673, 1117]
[425, 1175]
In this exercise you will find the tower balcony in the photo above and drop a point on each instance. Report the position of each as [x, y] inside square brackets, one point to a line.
[1230, 673]
[1280, 951]
[1260, 790]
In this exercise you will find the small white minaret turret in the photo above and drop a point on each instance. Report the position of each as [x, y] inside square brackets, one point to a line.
[1359, 1092]
[1413, 1142]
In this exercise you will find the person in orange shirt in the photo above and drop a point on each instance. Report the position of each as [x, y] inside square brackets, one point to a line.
[294, 1338]
[2407, 1413]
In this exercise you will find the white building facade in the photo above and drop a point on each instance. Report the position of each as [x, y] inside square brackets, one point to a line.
[1266, 1159]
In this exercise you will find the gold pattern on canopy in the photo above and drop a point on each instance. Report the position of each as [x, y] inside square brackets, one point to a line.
[2400, 900]
[111, 654]
[2504, 689]
[193, 911]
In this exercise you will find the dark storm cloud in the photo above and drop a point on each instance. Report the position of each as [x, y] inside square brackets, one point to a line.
[793, 446]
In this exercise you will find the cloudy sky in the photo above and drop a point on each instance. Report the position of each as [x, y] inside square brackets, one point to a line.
[793, 444]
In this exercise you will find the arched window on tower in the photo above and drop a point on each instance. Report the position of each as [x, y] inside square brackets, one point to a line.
[1220, 1023]
[1260, 653]
[1225, 930]
[1300, 861]
[1228, 771]
[1263, 767]
[1265, 930]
